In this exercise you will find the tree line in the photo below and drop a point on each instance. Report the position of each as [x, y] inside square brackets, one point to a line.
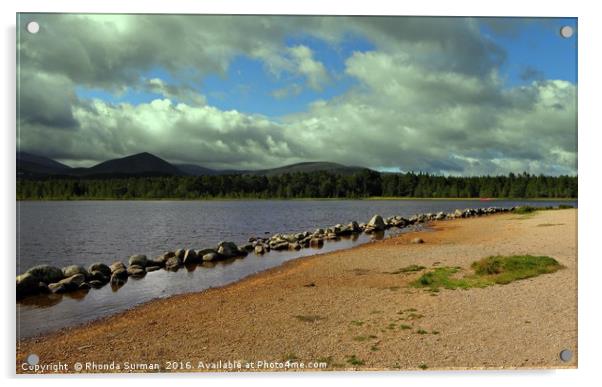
[300, 185]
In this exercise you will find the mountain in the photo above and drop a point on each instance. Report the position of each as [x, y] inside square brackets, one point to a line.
[34, 165]
[311, 166]
[146, 164]
[141, 164]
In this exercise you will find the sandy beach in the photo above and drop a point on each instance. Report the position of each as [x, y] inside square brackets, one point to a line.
[347, 310]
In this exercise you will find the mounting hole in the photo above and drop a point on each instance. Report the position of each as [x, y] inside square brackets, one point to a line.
[566, 32]
[33, 27]
[33, 359]
[566, 355]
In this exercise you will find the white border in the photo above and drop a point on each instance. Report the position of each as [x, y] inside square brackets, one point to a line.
[590, 324]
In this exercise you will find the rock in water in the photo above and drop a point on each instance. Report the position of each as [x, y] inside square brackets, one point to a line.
[73, 282]
[190, 256]
[209, 257]
[259, 250]
[46, 273]
[99, 276]
[96, 284]
[57, 288]
[73, 270]
[136, 271]
[228, 249]
[100, 267]
[121, 274]
[173, 263]
[27, 284]
[179, 253]
[138, 260]
[117, 265]
[375, 224]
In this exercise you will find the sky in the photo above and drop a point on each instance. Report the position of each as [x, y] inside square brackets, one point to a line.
[453, 96]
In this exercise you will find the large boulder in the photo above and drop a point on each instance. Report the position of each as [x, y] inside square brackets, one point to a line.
[228, 249]
[46, 273]
[180, 253]
[119, 274]
[57, 288]
[259, 249]
[73, 282]
[100, 267]
[117, 266]
[190, 257]
[375, 224]
[138, 260]
[210, 256]
[136, 271]
[27, 284]
[97, 275]
[72, 270]
[173, 263]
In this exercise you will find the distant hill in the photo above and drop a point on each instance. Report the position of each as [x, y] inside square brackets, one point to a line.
[146, 164]
[34, 165]
[196, 170]
[311, 166]
[141, 164]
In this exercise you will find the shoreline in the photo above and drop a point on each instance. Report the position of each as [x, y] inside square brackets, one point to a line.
[374, 198]
[277, 280]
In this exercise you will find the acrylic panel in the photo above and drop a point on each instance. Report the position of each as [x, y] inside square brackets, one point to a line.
[215, 193]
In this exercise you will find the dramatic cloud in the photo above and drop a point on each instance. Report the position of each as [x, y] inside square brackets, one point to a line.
[428, 97]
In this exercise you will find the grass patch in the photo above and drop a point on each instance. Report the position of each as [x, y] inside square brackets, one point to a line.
[488, 271]
[405, 326]
[308, 318]
[565, 206]
[353, 360]
[360, 338]
[421, 331]
[374, 348]
[525, 210]
[394, 288]
[408, 269]
[423, 366]
[357, 323]
[550, 224]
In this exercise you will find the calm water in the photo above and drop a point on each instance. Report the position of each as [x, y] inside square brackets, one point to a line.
[63, 233]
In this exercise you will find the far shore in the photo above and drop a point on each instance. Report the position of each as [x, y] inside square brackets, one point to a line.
[375, 198]
[355, 309]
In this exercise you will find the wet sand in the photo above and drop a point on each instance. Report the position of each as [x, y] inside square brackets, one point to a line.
[347, 310]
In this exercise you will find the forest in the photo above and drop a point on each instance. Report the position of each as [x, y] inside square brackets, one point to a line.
[364, 184]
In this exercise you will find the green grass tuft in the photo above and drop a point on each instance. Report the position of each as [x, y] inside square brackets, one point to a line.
[525, 210]
[353, 360]
[488, 271]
